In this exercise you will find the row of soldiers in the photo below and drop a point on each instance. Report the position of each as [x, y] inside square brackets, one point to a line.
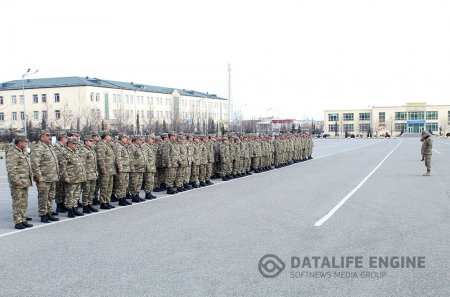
[101, 169]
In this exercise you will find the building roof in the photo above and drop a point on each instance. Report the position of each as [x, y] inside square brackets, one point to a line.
[76, 81]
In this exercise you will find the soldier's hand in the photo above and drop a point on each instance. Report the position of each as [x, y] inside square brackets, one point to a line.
[18, 183]
[67, 180]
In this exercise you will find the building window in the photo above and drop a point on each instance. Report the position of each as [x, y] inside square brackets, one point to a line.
[44, 114]
[1, 100]
[14, 116]
[348, 116]
[92, 96]
[21, 100]
[13, 99]
[333, 128]
[2, 116]
[400, 127]
[35, 98]
[348, 127]
[415, 115]
[22, 116]
[364, 127]
[35, 115]
[432, 115]
[56, 96]
[400, 116]
[364, 116]
[57, 114]
[44, 98]
[381, 117]
[432, 127]
[97, 97]
[333, 117]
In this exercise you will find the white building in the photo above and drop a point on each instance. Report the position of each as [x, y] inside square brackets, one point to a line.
[411, 118]
[64, 101]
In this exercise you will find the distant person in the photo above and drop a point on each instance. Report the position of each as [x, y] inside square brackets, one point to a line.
[20, 179]
[427, 148]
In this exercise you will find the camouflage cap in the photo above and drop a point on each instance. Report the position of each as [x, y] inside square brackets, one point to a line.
[88, 137]
[104, 133]
[74, 133]
[45, 132]
[172, 133]
[62, 134]
[72, 140]
[164, 135]
[21, 137]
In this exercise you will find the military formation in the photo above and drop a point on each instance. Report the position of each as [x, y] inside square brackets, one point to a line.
[100, 169]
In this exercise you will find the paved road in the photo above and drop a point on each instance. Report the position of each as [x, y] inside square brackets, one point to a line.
[208, 242]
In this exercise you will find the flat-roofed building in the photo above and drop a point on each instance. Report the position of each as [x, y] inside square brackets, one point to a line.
[395, 120]
[64, 101]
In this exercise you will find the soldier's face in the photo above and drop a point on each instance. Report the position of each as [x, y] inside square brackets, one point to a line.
[88, 143]
[22, 144]
[45, 138]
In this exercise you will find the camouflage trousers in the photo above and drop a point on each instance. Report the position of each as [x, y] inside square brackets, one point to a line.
[160, 177]
[88, 189]
[209, 170]
[236, 166]
[149, 181]
[202, 172]
[256, 163]
[187, 177]
[97, 188]
[136, 179]
[19, 204]
[46, 195]
[180, 176]
[171, 174]
[427, 161]
[106, 187]
[246, 164]
[216, 168]
[72, 195]
[60, 194]
[195, 169]
[225, 168]
[122, 181]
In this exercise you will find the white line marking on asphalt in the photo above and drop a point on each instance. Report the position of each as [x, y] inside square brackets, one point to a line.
[436, 151]
[332, 211]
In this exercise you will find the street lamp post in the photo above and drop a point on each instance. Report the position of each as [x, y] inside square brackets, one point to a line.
[23, 96]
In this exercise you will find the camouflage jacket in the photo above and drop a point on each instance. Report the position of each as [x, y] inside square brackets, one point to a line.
[44, 163]
[105, 158]
[19, 169]
[183, 159]
[224, 153]
[72, 167]
[89, 158]
[138, 158]
[170, 154]
[123, 162]
[195, 154]
[149, 151]
[203, 153]
[427, 146]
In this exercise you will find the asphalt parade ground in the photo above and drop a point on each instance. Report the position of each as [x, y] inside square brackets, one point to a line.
[357, 220]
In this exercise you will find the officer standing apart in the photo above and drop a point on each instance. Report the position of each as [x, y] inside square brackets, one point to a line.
[44, 165]
[427, 149]
[20, 179]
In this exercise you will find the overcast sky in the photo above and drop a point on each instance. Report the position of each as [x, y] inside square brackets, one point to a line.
[291, 59]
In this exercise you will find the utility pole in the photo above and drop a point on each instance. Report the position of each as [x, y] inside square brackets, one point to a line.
[230, 104]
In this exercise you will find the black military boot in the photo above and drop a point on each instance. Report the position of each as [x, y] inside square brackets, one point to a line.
[187, 186]
[52, 218]
[135, 198]
[157, 189]
[19, 226]
[104, 206]
[202, 184]
[208, 182]
[77, 213]
[44, 219]
[92, 209]
[194, 184]
[140, 198]
[224, 178]
[164, 187]
[61, 208]
[110, 205]
[95, 201]
[114, 198]
[86, 209]
[123, 202]
[79, 204]
[70, 213]
[129, 196]
[26, 224]
[171, 191]
[180, 189]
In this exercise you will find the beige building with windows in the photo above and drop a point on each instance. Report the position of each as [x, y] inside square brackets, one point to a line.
[395, 120]
[64, 101]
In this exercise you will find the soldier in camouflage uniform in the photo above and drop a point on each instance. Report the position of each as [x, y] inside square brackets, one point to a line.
[160, 164]
[195, 167]
[73, 174]
[182, 163]
[95, 141]
[59, 148]
[203, 161]
[170, 158]
[89, 158]
[20, 179]
[123, 169]
[149, 175]
[209, 166]
[138, 160]
[190, 151]
[44, 165]
[106, 169]
[225, 159]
